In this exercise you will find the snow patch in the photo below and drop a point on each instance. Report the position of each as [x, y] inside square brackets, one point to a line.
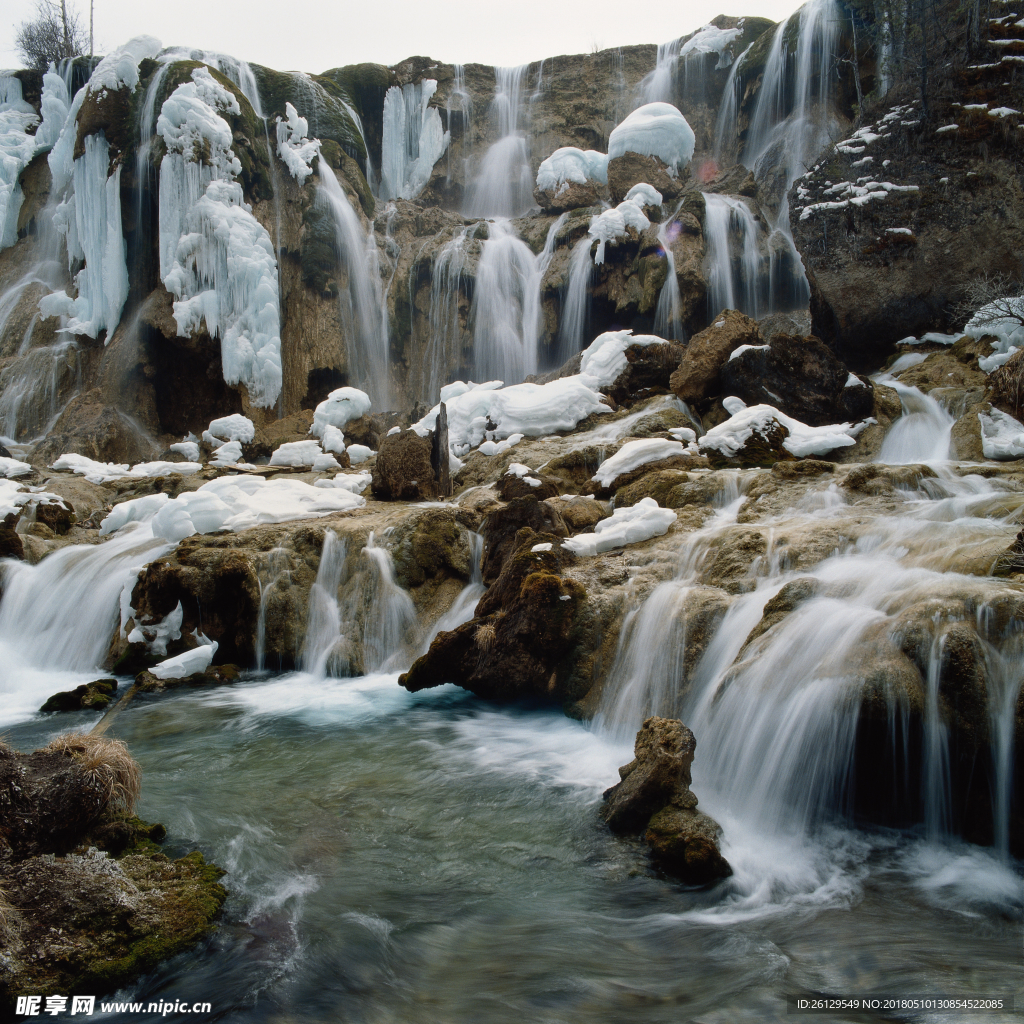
[634, 454]
[639, 522]
[655, 129]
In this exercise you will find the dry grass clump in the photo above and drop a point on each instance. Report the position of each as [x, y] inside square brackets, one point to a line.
[108, 764]
[484, 636]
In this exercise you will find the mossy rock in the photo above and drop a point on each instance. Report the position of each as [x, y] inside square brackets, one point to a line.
[93, 696]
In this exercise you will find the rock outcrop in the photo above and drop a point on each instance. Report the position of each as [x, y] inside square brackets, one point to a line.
[654, 798]
[697, 378]
[89, 902]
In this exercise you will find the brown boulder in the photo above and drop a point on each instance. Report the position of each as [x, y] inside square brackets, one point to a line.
[654, 796]
[89, 427]
[402, 471]
[697, 378]
[571, 195]
[58, 515]
[632, 168]
[10, 540]
[649, 370]
[500, 529]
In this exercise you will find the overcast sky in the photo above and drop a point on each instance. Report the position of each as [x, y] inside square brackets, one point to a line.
[315, 37]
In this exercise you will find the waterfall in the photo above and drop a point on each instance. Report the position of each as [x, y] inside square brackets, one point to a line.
[361, 299]
[506, 307]
[725, 128]
[460, 104]
[275, 568]
[658, 86]
[921, 434]
[668, 321]
[572, 327]
[464, 606]
[323, 622]
[734, 281]
[503, 186]
[390, 616]
[443, 353]
[35, 387]
[1004, 685]
[57, 617]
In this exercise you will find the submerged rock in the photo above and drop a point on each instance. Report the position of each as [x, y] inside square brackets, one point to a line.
[654, 797]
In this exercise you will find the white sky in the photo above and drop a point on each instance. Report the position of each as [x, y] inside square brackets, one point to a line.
[314, 37]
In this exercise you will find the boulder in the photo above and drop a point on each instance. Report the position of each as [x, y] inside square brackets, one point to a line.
[697, 378]
[518, 645]
[649, 370]
[535, 484]
[11, 545]
[653, 796]
[632, 168]
[501, 528]
[802, 378]
[403, 471]
[87, 697]
[58, 515]
[571, 195]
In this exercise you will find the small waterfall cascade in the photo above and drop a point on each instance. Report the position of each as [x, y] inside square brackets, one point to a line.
[458, 110]
[464, 606]
[323, 623]
[503, 185]
[668, 321]
[736, 270]
[777, 710]
[921, 434]
[443, 353]
[390, 616]
[506, 309]
[361, 300]
[274, 576]
[57, 617]
[35, 388]
[661, 84]
[575, 315]
[413, 141]
[725, 129]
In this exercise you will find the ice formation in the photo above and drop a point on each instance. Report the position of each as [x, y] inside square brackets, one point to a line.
[1004, 321]
[644, 195]
[215, 257]
[639, 522]
[17, 147]
[711, 39]
[655, 129]
[295, 149]
[572, 164]
[1002, 436]
[611, 225]
[527, 409]
[413, 141]
[340, 406]
[731, 436]
[636, 453]
[605, 357]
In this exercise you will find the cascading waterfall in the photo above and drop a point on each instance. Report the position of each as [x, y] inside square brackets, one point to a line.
[921, 434]
[668, 321]
[35, 387]
[443, 353]
[361, 300]
[275, 570]
[323, 623]
[735, 273]
[458, 106]
[464, 606]
[575, 314]
[507, 303]
[503, 185]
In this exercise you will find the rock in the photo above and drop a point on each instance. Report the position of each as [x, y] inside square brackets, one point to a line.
[511, 485]
[632, 168]
[59, 516]
[571, 195]
[500, 529]
[788, 599]
[402, 471]
[1007, 384]
[579, 514]
[215, 675]
[11, 545]
[435, 544]
[89, 696]
[654, 796]
[1011, 561]
[519, 642]
[800, 377]
[697, 378]
[649, 371]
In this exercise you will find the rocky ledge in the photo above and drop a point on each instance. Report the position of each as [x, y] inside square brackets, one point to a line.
[88, 902]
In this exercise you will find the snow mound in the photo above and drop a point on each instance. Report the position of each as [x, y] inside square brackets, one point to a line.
[478, 412]
[730, 437]
[338, 408]
[644, 195]
[198, 659]
[10, 468]
[233, 428]
[710, 39]
[655, 129]
[228, 454]
[358, 453]
[103, 472]
[605, 357]
[356, 483]
[500, 447]
[231, 503]
[636, 453]
[639, 522]
[1002, 437]
[190, 449]
[572, 164]
[611, 225]
[297, 453]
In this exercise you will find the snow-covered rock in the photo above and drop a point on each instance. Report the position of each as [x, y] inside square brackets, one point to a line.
[655, 129]
[639, 522]
[338, 408]
[636, 453]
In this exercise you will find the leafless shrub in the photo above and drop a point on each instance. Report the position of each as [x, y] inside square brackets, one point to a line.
[1000, 292]
[53, 35]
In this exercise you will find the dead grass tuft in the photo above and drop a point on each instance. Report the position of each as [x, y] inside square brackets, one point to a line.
[108, 763]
